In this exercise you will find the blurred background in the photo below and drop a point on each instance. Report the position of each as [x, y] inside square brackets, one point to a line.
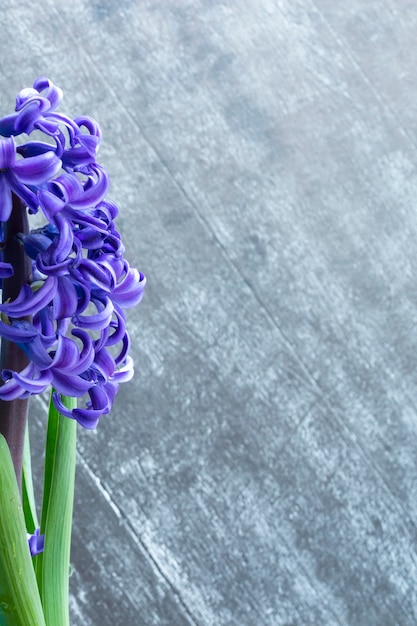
[261, 469]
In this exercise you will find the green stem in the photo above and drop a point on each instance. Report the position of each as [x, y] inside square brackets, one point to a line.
[57, 507]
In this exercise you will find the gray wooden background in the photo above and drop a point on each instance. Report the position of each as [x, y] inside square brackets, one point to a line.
[261, 470]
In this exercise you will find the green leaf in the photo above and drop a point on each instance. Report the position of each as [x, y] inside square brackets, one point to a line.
[51, 438]
[28, 496]
[59, 500]
[20, 604]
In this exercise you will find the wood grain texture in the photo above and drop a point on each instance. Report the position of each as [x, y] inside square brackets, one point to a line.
[261, 469]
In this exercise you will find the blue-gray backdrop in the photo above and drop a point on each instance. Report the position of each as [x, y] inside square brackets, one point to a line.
[261, 470]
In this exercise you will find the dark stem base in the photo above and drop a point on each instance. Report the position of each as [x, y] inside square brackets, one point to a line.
[13, 414]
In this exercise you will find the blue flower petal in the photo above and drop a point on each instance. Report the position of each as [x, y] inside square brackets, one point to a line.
[65, 300]
[7, 153]
[20, 331]
[53, 93]
[7, 128]
[98, 321]
[50, 204]
[68, 385]
[37, 169]
[94, 190]
[26, 304]
[5, 199]
[125, 372]
[6, 270]
[36, 542]
[26, 381]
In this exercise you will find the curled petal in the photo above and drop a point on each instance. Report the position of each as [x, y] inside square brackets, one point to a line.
[62, 244]
[34, 148]
[99, 320]
[29, 303]
[20, 331]
[119, 326]
[109, 210]
[22, 191]
[89, 145]
[44, 324]
[35, 243]
[36, 351]
[55, 269]
[50, 204]
[20, 385]
[100, 404]
[53, 93]
[120, 358]
[73, 386]
[68, 356]
[86, 218]
[37, 169]
[26, 381]
[81, 155]
[83, 294]
[6, 270]
[50, 127]
[7, 128]
[129, 291]
[32, 105]
[67, 187]
[111, 388]
[92, 272]
[104, 363]
[7, 153]
[86, 356]
[83, 121]
[13, 391]
[124, 373]
[99, 399]
[65, 300]
[88, 418]
[90, 238]
[94, 189]
[5, 199]
[29, 114]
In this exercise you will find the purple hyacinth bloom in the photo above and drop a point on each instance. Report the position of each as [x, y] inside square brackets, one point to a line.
[69, 316]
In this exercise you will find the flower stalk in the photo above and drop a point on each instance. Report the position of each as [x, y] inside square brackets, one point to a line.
[52, 568]
[13, 414]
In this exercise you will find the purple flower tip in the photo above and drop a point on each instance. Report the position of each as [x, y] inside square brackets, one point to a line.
[69, 318]
[36, 542]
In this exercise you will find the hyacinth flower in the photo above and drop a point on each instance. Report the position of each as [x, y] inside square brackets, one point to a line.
[65, 288]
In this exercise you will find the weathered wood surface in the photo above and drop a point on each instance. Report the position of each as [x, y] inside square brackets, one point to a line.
[262, 468]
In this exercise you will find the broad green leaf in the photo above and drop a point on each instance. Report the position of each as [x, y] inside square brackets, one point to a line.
[20, 604]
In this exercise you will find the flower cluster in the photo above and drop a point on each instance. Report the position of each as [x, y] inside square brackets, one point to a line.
[69, 316]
